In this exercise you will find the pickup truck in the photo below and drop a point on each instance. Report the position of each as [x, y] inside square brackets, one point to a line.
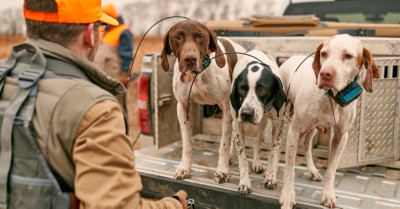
[369, 171]
[368, 175]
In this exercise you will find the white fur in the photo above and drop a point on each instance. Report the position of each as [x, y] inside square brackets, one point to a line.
[312, 109]
[261, 119]
[216, 84]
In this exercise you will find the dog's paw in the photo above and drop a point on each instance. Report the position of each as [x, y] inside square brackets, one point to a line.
[270, 181]
[221, 176]
[287, 199]
[181, 173]
[257, 167]
[244, 186]
[270, 184]
[328, 198]
[315, 176]
[244, 189]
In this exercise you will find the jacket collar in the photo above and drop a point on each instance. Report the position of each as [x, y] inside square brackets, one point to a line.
[96, 75]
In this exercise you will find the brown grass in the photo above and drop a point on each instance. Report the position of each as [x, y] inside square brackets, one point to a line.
[149, 44]
[7, 42]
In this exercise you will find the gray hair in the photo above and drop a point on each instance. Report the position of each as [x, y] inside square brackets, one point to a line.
[61, 33]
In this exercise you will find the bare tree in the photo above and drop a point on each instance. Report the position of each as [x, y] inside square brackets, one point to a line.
[12, 22]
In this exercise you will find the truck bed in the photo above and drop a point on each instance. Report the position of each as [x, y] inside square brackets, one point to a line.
[366, 187]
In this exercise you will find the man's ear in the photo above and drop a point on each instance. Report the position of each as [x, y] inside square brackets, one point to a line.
[89, 35]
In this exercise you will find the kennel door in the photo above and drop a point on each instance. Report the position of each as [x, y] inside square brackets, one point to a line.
[377, 122]
[380, 123]
[166, 126]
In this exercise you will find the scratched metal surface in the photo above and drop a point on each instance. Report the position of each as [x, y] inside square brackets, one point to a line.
[355, 188]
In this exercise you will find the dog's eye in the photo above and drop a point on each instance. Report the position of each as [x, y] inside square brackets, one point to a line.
[178, 37]
[347, 56]
[243, 89]
[324, 54]
[261, 90]
[198, 36]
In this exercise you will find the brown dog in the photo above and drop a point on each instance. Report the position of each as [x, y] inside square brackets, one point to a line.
[191, 42]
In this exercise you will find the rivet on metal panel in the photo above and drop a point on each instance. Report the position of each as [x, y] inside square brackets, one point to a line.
[369, 145]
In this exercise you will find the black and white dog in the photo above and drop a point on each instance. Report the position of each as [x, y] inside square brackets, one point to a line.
[256, 97]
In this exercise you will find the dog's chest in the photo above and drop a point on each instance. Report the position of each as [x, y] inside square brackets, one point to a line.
[207, 89]
[323, 111]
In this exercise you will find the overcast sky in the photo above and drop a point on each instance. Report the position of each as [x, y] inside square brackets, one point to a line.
[4, 4]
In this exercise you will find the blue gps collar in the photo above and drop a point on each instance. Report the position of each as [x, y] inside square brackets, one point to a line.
[347, 95]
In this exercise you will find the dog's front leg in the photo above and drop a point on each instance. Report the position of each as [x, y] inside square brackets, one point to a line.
[270, 181]
[338, 143]
[257, 165]
[238, 136]
[314, 174]
[183, 170]
[287, 199]
[222, 173]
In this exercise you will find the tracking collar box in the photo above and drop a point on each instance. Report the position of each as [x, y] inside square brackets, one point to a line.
[350, 93]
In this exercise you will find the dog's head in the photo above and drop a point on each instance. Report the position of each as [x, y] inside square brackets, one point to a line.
[339, 59]
[190, 41]
[255, 91]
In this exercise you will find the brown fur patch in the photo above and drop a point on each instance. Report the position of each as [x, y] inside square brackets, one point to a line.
[231, 58]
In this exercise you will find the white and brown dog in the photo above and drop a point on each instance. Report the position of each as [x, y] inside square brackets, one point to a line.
[336, 64]
[257, 95]
[190, 41]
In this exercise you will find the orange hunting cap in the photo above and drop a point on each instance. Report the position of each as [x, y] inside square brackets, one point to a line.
[72, 11]
[109, 9]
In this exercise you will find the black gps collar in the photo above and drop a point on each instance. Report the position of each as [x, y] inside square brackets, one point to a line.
[347, 95]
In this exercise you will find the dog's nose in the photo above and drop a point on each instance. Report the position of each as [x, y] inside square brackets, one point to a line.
[190, 60]
[327, 74]
[247, 114]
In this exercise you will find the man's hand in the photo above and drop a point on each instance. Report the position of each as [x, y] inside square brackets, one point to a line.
[181, 195]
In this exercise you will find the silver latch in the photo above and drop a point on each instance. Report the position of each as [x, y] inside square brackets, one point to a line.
[164, 100]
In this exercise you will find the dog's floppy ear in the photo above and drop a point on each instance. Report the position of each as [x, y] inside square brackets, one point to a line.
[280, 96]
[316, 65]
[235, 97]
[165, 51]
[213, 47]
[372, 70]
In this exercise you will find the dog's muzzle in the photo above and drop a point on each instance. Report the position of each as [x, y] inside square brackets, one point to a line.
[247, 115]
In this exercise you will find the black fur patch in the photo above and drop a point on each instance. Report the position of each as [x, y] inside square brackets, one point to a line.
[267, 81]
[239, 91]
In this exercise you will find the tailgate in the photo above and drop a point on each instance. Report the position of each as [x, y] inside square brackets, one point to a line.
[367, 188]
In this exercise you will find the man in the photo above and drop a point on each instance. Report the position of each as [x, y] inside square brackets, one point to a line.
[115, 51]
[79, 127]
[114, 57]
